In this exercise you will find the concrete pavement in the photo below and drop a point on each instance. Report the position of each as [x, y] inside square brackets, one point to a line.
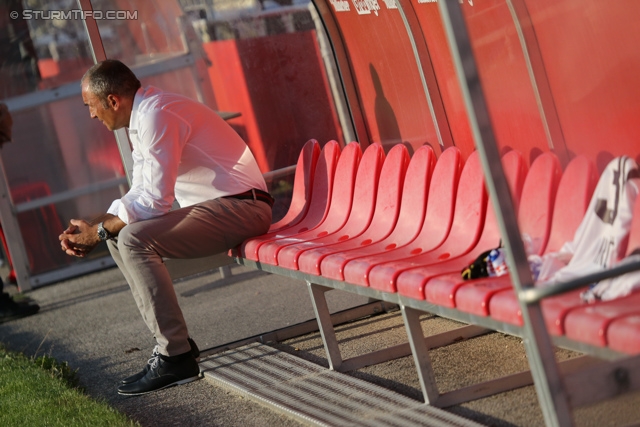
[92, 323]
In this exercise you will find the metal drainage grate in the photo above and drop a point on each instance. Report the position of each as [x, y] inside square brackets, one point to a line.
[317, 395]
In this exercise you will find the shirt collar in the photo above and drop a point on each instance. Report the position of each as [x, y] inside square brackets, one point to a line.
[137, 99]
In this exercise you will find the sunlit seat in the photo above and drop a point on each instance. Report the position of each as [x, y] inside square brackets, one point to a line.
[302, 186]
[416, 281]
[443, 292]
[331, 260]
[322, 185]
[574, 194]
[340, 204]
[364, 226]
[358, 216]
[433, 230]
[534, 220]
[470, 207]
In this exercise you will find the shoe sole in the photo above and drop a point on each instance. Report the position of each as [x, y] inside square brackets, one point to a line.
[185, 381]
[131, 382]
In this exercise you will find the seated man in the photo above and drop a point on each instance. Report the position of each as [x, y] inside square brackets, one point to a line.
[183, 151]
[10, 309]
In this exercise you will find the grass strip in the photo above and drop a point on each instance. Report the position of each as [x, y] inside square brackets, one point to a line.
[43, 392]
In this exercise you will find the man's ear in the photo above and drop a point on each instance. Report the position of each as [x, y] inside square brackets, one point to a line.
[113, 101]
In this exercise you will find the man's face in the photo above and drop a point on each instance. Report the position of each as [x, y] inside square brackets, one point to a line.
[111, 116]
[5, 124]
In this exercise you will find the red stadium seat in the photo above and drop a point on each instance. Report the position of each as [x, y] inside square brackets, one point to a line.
[302, 186]
[588, 323]
[322, 186]
[471, 203]
[417, 280]
[358, 233]
[574, 194]
[343, 198]
[442, 280]
[534, 219]
[359, 214]
[434, 229]
[623, 334]
[412, 211]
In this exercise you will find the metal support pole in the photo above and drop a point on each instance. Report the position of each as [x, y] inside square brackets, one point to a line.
[551, 393]
[421, 358]
[325, 324]
[98, 53]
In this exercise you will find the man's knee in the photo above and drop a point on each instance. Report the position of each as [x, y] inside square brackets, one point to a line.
[124, 237]
[136, 238]
[130, 237]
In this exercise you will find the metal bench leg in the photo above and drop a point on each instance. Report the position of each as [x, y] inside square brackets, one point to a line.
[420, 352]
[225, 271]
[325, 324]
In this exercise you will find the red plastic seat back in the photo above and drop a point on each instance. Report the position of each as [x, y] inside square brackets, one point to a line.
[343, 190]
[360, 209]
[538, 196]
[415, 192]
[302, 186]
[323, 184]
[470, 210]
[572, 199]
[380, 219]
[323, 179]
[515, 171]
[441, 199]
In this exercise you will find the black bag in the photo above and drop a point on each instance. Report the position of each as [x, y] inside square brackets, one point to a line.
[481, 267]
[477, 268]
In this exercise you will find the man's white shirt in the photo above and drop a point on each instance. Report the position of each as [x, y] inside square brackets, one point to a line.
[184, 151]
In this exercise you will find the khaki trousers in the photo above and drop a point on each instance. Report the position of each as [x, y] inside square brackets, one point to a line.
[196, 231]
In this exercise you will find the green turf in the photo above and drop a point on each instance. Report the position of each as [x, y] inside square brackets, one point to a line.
[43, 392]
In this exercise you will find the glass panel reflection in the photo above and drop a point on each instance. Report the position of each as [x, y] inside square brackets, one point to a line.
[57, 155]
[260, 61]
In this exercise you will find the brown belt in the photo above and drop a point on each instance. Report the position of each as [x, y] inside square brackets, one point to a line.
[254, 194]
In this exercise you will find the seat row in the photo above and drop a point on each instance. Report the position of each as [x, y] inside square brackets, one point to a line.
[401, 228]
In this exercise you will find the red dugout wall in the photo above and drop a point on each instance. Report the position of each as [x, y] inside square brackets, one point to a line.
[279, 86]
[557, 75]
[384, 70]
[592, 60]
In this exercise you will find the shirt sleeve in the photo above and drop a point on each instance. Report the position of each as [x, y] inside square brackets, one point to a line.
[156, 159]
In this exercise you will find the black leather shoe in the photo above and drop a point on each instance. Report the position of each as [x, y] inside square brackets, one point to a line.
[163, 374]
[195, 352]
[9, 309]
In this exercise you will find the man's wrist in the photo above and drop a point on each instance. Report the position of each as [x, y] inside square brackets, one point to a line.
[103, 233]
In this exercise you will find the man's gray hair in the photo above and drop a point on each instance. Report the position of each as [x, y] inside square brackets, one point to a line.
[111, 77]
